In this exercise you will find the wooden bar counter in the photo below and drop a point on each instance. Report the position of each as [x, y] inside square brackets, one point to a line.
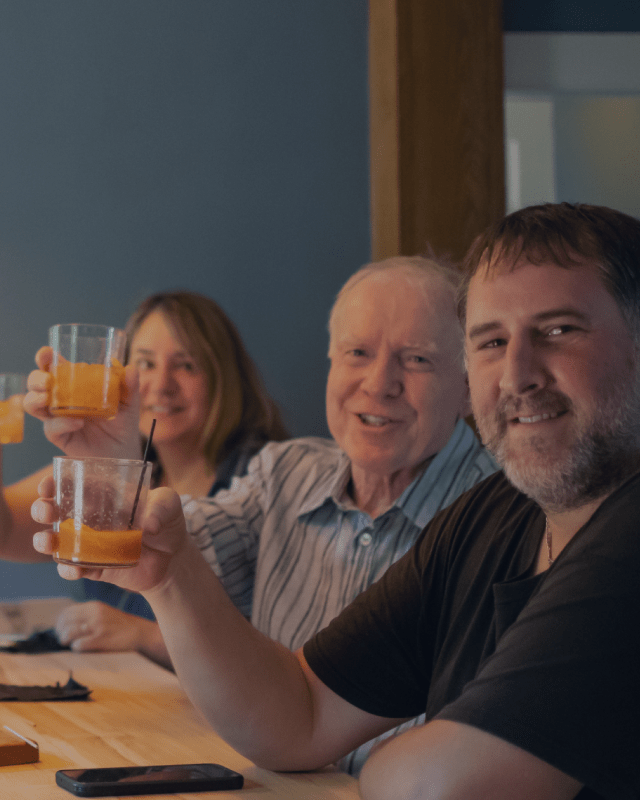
[137, 715]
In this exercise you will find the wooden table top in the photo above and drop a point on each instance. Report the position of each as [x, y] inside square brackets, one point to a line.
[137, 715]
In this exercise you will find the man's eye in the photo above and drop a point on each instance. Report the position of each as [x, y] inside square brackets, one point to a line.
[356, 352]
[558, 330]
[491, 344]
[417, 361]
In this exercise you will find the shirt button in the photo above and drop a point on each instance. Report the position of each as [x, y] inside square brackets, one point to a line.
[365, 539]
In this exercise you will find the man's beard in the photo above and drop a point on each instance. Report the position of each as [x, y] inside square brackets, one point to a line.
[605, 450]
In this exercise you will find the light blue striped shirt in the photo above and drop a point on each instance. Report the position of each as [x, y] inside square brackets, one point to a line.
[290, 548]
[292, 552]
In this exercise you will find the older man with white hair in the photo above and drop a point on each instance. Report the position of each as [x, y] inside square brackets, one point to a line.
[323, 518]
[316, 521]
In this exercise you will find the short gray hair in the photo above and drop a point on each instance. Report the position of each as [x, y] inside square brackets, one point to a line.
[416, 266]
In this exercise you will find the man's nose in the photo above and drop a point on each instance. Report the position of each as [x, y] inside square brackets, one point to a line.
[383, 377]
[523, 369]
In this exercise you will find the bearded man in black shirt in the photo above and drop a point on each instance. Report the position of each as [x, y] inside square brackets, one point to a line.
[513, 621]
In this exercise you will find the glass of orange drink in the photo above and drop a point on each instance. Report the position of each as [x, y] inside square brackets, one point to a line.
[87, 370]
[100, 502]
[12, 390]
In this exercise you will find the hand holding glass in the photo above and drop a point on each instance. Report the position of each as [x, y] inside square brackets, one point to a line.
[12, 391]
[99, 503]
[87, 370]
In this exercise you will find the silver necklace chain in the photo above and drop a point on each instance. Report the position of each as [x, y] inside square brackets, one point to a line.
[549, 538]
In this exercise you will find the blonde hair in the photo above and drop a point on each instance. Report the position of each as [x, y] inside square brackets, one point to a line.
[241, 408]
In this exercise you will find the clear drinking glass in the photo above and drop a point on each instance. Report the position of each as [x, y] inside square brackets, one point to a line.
[12, 390]
[100, 502]
[87, 370]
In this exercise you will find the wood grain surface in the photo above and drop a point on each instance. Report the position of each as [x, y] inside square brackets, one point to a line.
[137, 715]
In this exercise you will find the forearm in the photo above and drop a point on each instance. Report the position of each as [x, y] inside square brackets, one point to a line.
[251, 689]
[444, 759]
[262, 698]
[397, 768]
[152, 644]
[6, 521]
[16, 525]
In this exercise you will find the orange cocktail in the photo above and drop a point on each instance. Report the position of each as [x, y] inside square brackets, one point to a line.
[86, 390]
[99, 503]
[87, 370]
[11, 420]
[81, 545]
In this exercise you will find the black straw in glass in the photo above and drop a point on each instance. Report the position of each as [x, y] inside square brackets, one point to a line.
[144, 467]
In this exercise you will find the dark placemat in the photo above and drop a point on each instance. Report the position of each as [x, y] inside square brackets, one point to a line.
[39, 642]
[72, 690]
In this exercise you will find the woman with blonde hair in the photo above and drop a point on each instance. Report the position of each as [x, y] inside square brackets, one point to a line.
[212, 414]
[198, 381]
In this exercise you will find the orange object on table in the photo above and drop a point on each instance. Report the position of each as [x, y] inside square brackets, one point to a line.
[138, 715]
[16, 749]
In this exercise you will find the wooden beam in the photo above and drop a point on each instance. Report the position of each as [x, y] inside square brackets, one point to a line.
[436, 123]
[383, 129]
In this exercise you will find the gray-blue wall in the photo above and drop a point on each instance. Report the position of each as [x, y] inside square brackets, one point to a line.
[215, 145]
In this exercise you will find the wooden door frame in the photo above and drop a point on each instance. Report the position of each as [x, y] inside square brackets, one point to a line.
[436, 123]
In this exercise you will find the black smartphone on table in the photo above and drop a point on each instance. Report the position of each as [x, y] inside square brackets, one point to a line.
[164, 779]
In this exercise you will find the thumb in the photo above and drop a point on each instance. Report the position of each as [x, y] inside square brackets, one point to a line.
[163, 523]
[44, 357]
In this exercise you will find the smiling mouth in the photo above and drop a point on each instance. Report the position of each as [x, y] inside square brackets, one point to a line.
[374, 421]
[537, 418]
[162, 409]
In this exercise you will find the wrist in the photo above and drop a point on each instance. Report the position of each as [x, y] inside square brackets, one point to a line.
[180, 576]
